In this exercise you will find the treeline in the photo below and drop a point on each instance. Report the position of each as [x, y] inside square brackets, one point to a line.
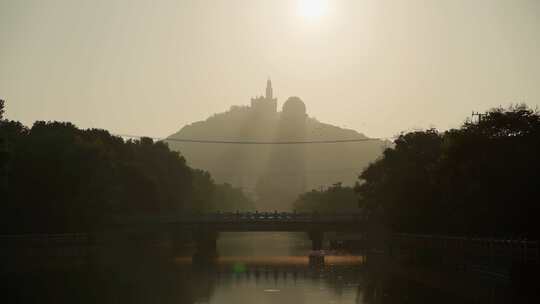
[335, 198]
[480, 179]
[58, 178]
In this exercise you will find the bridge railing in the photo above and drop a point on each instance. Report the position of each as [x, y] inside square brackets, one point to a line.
[484, 254]
[307, 217]
[43, 239]
[246, 217]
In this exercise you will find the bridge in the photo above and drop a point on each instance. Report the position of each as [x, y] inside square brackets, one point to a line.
[205, 227]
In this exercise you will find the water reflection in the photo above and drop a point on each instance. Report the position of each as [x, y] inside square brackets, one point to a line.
[241, 281]
[282, 276]
[285, 279]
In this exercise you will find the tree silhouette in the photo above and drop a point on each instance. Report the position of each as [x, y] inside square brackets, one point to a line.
[336, 198]
[483, 178]
[2, 104]
[62, 179]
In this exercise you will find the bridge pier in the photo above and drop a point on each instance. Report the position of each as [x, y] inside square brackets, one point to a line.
[206, 246]
[316, 238]
[178, 242]
[316, 258]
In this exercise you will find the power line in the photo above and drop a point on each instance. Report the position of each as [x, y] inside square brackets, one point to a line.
[243, 142]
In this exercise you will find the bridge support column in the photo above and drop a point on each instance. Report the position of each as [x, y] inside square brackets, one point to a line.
[316, 258]
[316, 240]
[206, 242]
[178, 242]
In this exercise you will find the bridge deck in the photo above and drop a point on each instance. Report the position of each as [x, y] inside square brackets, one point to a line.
[254, 221]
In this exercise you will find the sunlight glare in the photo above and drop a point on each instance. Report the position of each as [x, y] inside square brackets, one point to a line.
[312, 8]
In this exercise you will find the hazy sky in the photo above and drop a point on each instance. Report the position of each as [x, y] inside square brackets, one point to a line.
[381, 67]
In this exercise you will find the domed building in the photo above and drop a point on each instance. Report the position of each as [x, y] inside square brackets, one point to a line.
[294, 108]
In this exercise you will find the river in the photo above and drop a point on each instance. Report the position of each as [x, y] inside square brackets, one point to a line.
[251, 268]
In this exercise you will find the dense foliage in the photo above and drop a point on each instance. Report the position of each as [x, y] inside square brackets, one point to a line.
[58, 178]
[336, 198]
[211, 197]
[2, 102]
[483, 178]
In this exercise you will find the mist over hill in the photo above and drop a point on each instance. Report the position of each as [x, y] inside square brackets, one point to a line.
[274, 175]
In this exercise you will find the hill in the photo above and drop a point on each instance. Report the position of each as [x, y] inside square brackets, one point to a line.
[274, 175]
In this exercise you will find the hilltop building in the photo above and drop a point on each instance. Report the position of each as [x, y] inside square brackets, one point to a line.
[294, 109]
[265, 104]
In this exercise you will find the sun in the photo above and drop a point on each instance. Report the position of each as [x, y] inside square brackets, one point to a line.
[312, 8]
